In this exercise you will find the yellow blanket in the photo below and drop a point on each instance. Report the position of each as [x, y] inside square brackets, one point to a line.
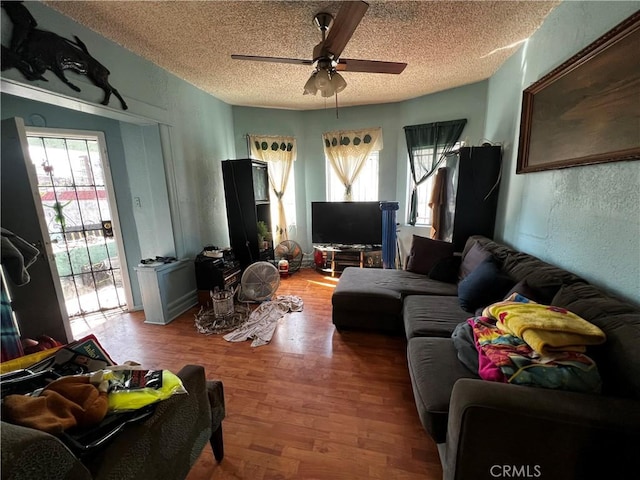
[545, 328]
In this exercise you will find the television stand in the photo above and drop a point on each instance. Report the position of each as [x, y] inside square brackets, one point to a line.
[333, 259]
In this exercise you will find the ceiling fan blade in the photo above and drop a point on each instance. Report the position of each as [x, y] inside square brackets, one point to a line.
[369, 66]
[345, 23]
[295, 61]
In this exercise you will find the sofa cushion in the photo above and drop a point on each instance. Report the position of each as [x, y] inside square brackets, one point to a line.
[618, 359]
[542, 294]
[498, 251]
[352, 295]
[483, 286]
[520, 265]
[371, 298]
[434, 368]
[472, 259]
[426, 252]
[358, 288]
[591, 303]
[431, 315]
[388, 323]
[446, 269]
[538, 273]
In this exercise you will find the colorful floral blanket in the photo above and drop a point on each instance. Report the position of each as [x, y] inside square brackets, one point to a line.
[507, 358]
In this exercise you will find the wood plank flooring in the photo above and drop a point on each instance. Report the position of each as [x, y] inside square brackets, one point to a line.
[312, 404]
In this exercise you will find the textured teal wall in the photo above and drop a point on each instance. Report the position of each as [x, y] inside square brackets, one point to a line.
[585, 219]
[199, 134]
[464, 102]
[172, 163]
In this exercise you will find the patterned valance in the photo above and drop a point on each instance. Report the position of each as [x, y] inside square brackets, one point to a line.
[265, 146]
[369, 139]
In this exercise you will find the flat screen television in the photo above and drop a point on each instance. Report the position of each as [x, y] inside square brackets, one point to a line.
[346, 223]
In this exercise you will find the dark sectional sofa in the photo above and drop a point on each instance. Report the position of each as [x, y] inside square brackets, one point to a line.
[490, 430]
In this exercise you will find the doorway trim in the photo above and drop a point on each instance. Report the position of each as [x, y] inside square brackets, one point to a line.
[151, 115]
[111, 197]
[146, 115]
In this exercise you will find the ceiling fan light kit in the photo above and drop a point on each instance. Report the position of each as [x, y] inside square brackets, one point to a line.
[338, 83]
[310, 87]
[326, 55]
[322, 80]
[327, 82]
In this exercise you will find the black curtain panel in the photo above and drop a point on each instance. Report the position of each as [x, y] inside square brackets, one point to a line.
[440, 137]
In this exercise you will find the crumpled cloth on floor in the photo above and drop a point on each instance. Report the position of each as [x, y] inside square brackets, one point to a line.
[262, 322]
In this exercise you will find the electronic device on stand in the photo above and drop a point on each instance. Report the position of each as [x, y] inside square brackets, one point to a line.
[216, 268]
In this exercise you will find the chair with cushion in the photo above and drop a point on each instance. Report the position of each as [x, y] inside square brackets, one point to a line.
[164, 446]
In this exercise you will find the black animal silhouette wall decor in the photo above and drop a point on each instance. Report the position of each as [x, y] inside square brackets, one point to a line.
[34, 51]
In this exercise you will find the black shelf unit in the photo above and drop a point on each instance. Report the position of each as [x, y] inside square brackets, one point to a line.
[479, 170]
[246, 191]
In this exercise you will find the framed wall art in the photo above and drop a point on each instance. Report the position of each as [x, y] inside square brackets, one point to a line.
[588, 109]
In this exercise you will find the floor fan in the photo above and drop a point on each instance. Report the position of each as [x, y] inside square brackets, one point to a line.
[290, 251]
[259, 282]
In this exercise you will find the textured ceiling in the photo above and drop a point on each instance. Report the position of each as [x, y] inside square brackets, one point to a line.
[445, 44]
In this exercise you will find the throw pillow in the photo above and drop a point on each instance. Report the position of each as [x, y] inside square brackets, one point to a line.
[426, 252]
[446, 269]
[474, 257]
[485, 285]
[542, 295]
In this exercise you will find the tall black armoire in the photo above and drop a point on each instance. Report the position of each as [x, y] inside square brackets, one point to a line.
[476, 194]
[246, 191]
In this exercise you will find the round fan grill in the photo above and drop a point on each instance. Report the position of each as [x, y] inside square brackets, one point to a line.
[259, 282]
[290, 251]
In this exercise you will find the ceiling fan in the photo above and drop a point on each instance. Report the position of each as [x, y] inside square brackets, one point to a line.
[326, 54]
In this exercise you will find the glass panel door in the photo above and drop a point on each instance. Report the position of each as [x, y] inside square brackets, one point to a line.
[74, 196]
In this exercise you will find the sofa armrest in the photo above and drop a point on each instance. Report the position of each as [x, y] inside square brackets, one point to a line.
[168, 443]
[495, 427]
[28, 453]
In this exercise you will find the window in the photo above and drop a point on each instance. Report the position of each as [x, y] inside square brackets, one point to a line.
[365, 187]
[423, 192]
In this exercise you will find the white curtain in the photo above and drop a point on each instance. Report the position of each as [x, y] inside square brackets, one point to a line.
[279, 152]
[347, 151]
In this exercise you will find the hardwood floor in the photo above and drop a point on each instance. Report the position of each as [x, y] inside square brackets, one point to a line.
[312, 404]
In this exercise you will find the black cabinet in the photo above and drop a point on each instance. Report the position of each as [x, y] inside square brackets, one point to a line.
[246, 191]
[476, 193]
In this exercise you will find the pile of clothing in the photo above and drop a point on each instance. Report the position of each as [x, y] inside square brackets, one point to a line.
[86, 411]
[522, 342]
[63, 404]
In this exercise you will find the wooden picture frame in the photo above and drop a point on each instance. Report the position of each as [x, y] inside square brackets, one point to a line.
[587, 110]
